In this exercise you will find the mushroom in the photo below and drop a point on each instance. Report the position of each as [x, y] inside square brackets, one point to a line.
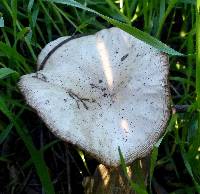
[101, 92]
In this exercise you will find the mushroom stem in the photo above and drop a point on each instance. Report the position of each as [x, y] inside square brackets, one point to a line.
[113, 180]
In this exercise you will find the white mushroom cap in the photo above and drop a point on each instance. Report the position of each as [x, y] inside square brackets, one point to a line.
[101, 92]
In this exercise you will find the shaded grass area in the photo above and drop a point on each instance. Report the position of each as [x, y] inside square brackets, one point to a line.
[32, 160]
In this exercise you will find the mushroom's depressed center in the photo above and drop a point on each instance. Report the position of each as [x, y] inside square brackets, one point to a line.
[101, 92]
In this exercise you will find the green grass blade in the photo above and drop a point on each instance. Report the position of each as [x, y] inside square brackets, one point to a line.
[5, 132]
[127, 28]
[14, 15]
[81, 154]
[162, 21]
[42, 150]
[154, 155]
[11, 52]
[5, 72]
[4, 159]
[189, 169]
[198, 62]
[35, 154]
[188, 1]
[114, 7]
[182, 80]
[1, 22]
[23, 33]
[137, 188]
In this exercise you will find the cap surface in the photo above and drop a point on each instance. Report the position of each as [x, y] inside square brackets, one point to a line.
[101, 92]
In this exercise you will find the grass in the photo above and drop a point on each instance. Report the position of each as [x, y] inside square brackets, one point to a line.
[198, 60]
[31, 158]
